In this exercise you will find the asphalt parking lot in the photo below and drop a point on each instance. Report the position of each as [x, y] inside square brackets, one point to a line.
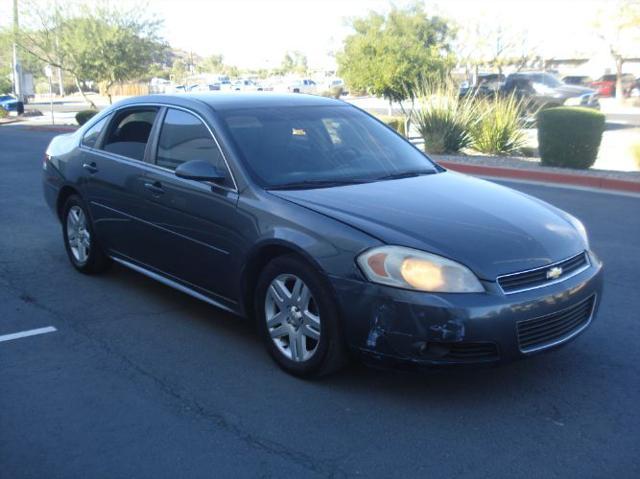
[142, 381]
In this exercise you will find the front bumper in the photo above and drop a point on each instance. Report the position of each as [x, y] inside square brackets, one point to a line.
[392, 325]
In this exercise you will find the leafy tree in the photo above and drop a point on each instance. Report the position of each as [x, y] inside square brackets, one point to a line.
[101, 44]
[294, 62]
[619, 27]
[211, 64]
[390, 56]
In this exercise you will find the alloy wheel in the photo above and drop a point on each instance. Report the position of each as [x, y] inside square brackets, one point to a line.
[78, 236]
[292, 316]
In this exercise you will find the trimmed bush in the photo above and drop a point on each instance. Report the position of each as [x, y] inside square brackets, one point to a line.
[569, 136]
[3, 113]
[396, 122]
[444, 119]
[498, 130]
[334, 92]
[84, 116]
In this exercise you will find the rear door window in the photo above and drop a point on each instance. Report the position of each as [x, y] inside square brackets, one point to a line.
[129, 134]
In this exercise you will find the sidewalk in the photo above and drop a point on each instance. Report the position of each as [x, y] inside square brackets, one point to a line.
[528, 169]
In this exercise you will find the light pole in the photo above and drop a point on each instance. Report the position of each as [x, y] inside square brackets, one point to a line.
[17, 68]
[49, 73]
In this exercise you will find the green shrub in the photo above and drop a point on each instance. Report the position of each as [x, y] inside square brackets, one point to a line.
[569, 136]
[84, 116]
[3, 113]
[334, 92]
[398, 123]
[498, 129]
[444, 120]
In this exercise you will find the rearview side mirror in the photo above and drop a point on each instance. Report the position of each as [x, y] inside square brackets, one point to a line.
[200, 170]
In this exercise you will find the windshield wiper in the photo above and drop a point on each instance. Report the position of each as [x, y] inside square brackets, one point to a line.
[310, 184]
[404, 174]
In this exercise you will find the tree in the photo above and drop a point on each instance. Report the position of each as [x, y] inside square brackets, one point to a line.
[392, 55]
[619, 27]
[494, 45]
[294, 62]
[101, 44]
[211, 64]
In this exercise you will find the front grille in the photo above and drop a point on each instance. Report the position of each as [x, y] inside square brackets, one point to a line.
[472, 352]
[554, 328]
[536, 278]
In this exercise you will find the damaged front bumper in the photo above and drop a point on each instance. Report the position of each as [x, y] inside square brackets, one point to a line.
[404, 327]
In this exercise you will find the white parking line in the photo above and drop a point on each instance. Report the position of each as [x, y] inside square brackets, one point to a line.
[24, 334]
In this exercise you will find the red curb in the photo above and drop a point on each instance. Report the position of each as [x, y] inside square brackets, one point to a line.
[545, 176]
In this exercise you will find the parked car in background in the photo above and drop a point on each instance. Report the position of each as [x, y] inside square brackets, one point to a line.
[635, 92]
[245, 85]
[11, 103]
[325, 227]
[486, 85]
[580, 80]
[543, 90]
[305, 85]
[206, 87]
[606, 84]
[334, 83]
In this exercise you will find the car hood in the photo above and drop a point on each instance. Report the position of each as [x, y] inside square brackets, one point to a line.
[489, 228]
[574, 90]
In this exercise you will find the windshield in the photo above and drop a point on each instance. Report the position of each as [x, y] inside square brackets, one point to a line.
[546, 79]
[320, 145]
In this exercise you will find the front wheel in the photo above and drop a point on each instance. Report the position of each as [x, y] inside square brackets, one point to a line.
[298, 319]
[80, 240]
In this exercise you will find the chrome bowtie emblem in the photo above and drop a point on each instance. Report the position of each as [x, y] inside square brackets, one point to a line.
[554, 272]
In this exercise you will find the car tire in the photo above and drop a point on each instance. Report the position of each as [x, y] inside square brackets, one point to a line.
[311, 357]
[83, 249]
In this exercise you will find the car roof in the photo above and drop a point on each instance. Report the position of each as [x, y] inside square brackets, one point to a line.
[516, 74]
[221, 101]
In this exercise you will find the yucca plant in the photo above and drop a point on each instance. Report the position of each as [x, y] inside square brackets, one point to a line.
[498, 129]
[444, 119]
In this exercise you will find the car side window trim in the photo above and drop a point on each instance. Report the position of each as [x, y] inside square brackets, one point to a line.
[154, 136]
[161, 112]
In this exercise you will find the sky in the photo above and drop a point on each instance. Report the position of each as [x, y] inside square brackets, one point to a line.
[257, 33]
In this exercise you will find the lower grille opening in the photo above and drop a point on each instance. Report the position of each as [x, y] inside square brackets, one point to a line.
[545, 331]
[460, 352]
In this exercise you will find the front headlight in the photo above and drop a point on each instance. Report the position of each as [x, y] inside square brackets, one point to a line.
[413, 269]
[573, 101]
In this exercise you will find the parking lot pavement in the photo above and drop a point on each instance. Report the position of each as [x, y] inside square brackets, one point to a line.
[139, 380]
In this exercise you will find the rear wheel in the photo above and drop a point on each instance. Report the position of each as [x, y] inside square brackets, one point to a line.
[80, 241]
[298, 319]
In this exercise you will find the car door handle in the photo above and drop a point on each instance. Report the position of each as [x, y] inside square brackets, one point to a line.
[90, 167]
[155, 187]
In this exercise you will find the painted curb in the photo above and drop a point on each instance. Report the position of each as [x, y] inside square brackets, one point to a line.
[546, 177]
